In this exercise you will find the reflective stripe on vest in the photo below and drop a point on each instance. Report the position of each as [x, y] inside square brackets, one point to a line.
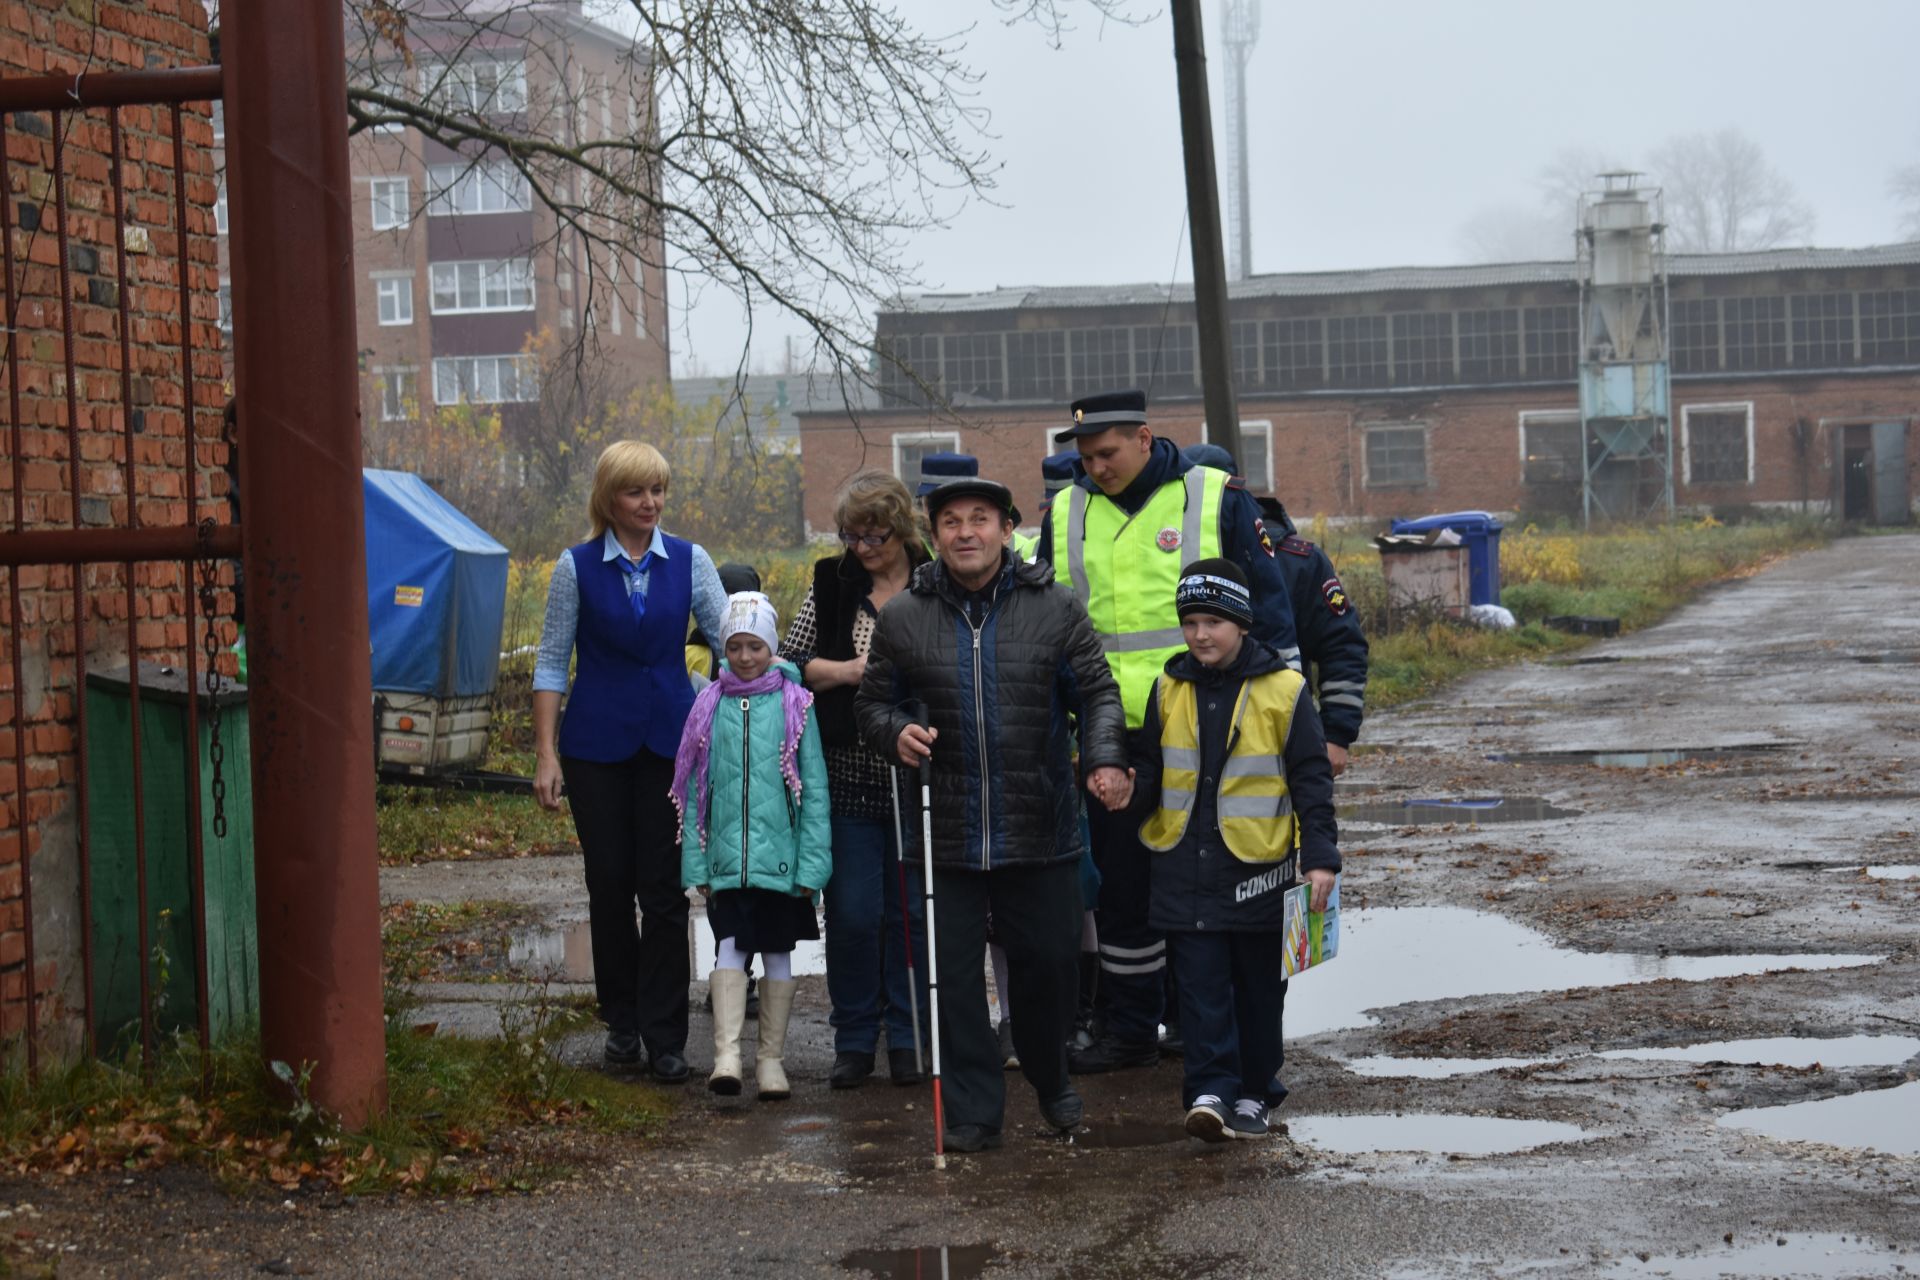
[1253, 807]
[1126, 573]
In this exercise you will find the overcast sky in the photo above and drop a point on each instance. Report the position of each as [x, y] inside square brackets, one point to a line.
[1380, 127]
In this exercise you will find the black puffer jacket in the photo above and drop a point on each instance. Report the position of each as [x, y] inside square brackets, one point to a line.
[999, 686]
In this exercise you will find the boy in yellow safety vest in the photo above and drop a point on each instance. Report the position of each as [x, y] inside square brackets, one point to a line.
[1232, 772]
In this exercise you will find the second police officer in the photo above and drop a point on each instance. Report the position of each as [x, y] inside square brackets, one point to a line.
[1119, 537]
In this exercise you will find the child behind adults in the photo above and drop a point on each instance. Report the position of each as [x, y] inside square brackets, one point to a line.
[1233, 774]
[750, 782]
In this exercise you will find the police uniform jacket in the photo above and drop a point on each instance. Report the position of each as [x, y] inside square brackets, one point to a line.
[1198, 886]
[1329, 628]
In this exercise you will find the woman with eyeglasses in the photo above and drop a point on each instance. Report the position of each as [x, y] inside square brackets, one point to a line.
[867, 971]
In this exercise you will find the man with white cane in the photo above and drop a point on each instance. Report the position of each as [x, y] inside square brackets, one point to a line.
[1004, 660]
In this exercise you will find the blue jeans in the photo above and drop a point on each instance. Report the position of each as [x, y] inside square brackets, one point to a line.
[1230, 1008]
[866, 950]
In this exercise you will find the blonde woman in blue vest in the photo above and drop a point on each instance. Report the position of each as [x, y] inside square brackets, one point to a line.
[1232, 772]
[618, 607]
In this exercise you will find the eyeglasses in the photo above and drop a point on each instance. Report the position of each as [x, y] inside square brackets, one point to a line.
[868, 540]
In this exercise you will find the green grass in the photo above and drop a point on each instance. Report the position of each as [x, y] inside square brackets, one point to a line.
[1638, 575]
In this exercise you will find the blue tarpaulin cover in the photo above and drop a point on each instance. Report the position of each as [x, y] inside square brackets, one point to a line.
[436, 591]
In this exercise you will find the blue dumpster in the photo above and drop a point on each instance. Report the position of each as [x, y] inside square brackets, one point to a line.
[1480, 532]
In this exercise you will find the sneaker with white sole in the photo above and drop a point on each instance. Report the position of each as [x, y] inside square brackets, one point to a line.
[1249, 1119]
[1207, 1118]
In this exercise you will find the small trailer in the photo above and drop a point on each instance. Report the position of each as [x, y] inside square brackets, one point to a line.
[436, 605]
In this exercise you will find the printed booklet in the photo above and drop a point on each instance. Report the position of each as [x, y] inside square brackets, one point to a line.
[1313, 937]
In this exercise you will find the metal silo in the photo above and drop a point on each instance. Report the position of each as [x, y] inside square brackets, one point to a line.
[1624, 410]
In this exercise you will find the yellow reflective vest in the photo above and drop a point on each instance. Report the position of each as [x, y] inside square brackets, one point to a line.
[1126, 569]
[1253, 807]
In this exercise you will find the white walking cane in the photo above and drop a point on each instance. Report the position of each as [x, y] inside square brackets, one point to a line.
[933, 963]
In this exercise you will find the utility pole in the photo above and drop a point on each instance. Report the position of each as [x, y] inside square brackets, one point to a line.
[1203, 218]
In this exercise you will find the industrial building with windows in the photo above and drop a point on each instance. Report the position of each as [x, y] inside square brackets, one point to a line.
[1794, 382]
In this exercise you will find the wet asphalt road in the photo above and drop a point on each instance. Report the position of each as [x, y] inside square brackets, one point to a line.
[1812, 661]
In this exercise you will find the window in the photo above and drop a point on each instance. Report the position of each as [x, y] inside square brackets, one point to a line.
[399, 393]
[219, 120]
[1256, 455]
[220, 205]
[1037, 365]
[1423, 348]
[1246, 354]
[497, 284]
[1357, 351]
[1550, 448]
[1822, 329]
[1552, 334]
[910, 447]
[1890, 326]
[478, 85]
[1099, 359]
[392, 81]
[1716, 441]
[485, 379]
[390, 203]
[1164, 358]
[1489, 345]
[226, 306]
[1294, 352]
[395, 298]
[971, 365]
[1696, 335]
[909, 369]
[497, 187]
[1396, 457]
[1756, 332]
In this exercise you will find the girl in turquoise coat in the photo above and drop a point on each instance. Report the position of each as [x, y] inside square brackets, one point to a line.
[750, 782]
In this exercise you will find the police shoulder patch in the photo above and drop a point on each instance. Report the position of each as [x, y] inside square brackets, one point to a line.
[1236, 482]
[1266, 539]
[1294, 544]
[1335, 596]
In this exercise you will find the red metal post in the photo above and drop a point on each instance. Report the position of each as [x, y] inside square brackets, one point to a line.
[289, 188]
[14, 626]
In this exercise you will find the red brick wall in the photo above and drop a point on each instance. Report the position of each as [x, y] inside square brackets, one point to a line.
[1473, 444]
[41, 37]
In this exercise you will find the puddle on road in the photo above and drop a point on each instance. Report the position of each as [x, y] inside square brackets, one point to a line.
[1397, 955]
[1886, 1120]
[1654, 759]
[1779, 1051]
[1894, 873]
[930, 1262]
[1127, 1133]
[1814, 1257]
[565, 951]
[1881, 659]
[1437, 1134]
[1468, 810]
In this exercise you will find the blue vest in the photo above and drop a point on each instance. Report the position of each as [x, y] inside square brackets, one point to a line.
[630, 687]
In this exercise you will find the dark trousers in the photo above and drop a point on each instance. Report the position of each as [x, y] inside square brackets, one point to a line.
[867, 974]
[626, 825]
[1231, 998]
[1133, 956]
[1036, 917]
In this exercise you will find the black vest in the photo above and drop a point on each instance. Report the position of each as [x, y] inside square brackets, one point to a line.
[841, 585]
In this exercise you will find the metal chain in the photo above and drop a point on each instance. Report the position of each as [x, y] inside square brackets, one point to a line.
[210, 646]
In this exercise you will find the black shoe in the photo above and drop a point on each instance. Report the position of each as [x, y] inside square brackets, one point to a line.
[900, 1066]
[1111, 1054]
[1063, 1113]
[622, 1049]
[850, 1070]
[968, 1138]
[669, 1067]
[1171, 1045]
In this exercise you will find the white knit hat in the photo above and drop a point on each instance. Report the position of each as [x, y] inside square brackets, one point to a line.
[751, 613]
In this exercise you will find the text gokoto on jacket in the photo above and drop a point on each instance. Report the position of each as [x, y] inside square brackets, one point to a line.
[998, 686]
[758, 834]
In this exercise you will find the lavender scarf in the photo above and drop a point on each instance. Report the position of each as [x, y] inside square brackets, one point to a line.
[696, 740]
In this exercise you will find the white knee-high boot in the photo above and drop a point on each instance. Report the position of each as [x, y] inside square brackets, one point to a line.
[776, 1007]
[729, 988]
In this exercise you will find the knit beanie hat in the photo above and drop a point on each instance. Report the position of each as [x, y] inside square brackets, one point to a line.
[1218, 587]
[751, 613]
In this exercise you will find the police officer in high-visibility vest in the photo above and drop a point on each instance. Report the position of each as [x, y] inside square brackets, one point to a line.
[1119, 538]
